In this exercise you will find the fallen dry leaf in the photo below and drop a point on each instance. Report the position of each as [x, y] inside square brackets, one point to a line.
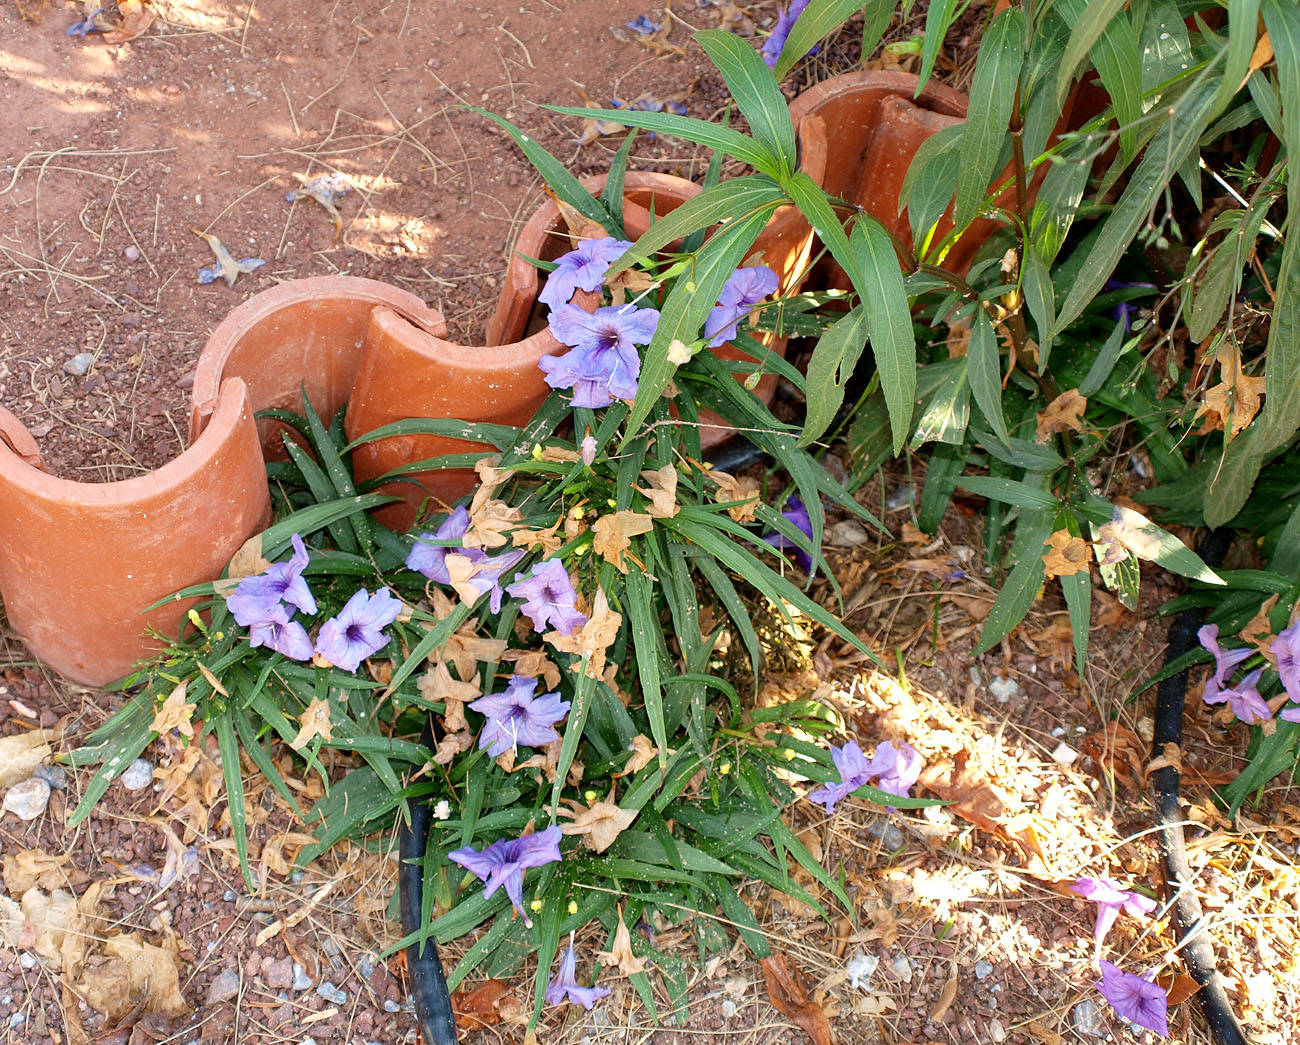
[314, 722]
[975, 797]
[643, 753]
[135, 17]
[34, 868]
[946, 997]
[1259, 632]
[600, 824]
[481, 1007]
[465, 648]
[174, 713]
[1178, 987]
[614, 533]
[1044, 1034]
[1235, 399]
[620, 954]
[534, 664]
[593, 638]
[437, 686]
[1062, 414]
[138, 973]
[744, 491]
[1066, 555]
[21, 753]
[548, 540]
[662, 491]
[788, 992]
[1118, 752]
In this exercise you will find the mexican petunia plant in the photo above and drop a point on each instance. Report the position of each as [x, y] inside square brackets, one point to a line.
[593, 755]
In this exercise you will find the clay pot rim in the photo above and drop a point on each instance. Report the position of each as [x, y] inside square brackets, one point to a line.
[496, 359]
[184, 468]
[231, 331]
[937, 97]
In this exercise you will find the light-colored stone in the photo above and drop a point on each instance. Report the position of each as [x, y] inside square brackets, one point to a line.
[28, 799]
[138, 775]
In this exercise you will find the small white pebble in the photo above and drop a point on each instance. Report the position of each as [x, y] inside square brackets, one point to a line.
[1058, 731]
[79, 364]
[861, 967]
[1004, 688]
[902, 967]
[1064, 755]
[28, 799]
[138, 775]
[983, 969]
[332, 994]
[27, 960]
[391, 1006]
[728, 1008]
[997, 1032]
[301, 981]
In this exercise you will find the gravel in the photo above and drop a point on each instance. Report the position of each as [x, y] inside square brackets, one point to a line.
[55, 776]
[983, 969]
[28, 799]
[224, 987]
[333, 995]
[1087, 1021]
[138, 775]
[301, 981]
[79, 364]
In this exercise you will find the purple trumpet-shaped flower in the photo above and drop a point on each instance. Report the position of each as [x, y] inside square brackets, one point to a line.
[785, 20]
[583, 268]
[1225, 662]
[1124, 310]
[1110, 900]
[1244, 699]
[282, 582]
[1138, 999]
[86, 26]
[357, 632]
[276, 631]
[744, 289]
[504, 862]
[517, 717]
[604, 364]
[566, 986]
[1286, 646]
[797, 513]
[431, 559]
[548, 598]
[896, 767]
[488, 579]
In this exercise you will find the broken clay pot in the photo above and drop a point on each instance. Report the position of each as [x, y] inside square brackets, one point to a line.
[304, 332]
[81, 562]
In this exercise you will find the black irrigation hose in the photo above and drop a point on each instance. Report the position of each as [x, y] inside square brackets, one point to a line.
[1198, 954]
[428, 980]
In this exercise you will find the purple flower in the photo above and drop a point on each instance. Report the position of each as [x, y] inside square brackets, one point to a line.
[775, 43]
[583, 268]
[588, 449]
[505, 860]
[566, 984]
[1137, 998]
[1225, 661]
[1123, 310]
[1244, 699]
[604, 364]
[517, 717]
[431, 559]
[1290, 714]
[282, 582]
[548, 598]
[86, 26]
[1110, 898]
[745, 288]
[895, 765]
[488, 579]
[1287, 648]
[357, 632]
[797, 514]
[275, 631]
[640, 24]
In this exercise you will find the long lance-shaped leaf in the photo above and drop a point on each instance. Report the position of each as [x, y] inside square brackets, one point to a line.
[1243, 17]
[1163, 156]
[688, 305]
[937, 20]
[984, 371]
[1085, 33]
[889, 320]
[701, 132]
[735, 198]
[553, 172]
[829, 369]
[992, 97]
[755, 90]
[821, 17]
[897, 381]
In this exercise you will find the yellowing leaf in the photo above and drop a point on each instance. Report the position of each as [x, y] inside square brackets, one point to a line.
[1066, 554]
[32, 868]
[643, 753]
[614, 533]
[1064, 413]
[174, 713]
[547, 540]
[314, 722]
[464, 648]
[1233, 403]
[534, 664]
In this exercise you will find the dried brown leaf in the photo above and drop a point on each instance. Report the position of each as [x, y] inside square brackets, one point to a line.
[314, 722]
[787, 989]
[1066, 555]
[614, 533]
[600, 824]
[480, 1007]
[174, 713]
[620, 953]
[1062, 414]
[662, 491]
[21, 753]
[593, 638]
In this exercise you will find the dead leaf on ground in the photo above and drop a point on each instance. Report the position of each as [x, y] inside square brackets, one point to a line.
[643, 753]
[1178, 987]
[136, 17]
[483, 1006]
[1259, 632]
[174, 712]
[35, 868]
[1043, 1033]
[21, 753]
[437, 685]
[1118, 752]
[593, 638]
[744, 491]
[662, 491]
[1235, 399]
[976, 798]
[314, 722]
[787, 989]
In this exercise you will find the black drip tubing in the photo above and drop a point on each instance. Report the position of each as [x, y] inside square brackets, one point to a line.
[1194, 942]
[428, 980]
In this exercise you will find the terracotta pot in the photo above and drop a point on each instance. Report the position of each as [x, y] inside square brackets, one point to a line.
[79, 562]
[407, 372]
[304, 331]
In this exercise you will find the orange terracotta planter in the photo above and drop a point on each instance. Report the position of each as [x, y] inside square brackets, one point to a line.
[407, 372]
[80, 562]
[873, 127]
[304, 331]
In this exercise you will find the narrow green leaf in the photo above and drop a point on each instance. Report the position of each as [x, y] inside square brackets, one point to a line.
[820, 19]
[984, 369]
[1118, 59]
[889, 321]
[1087, 30]
[611, 197]
[1104, 363]
[993, 95]
[927, 189]
[946, 464]
[1162, 157]
[233, 772]
[1040, 296]
[645, 627]
[829, 369]
[710, 135]
[755, 90]
[937, 20]
[1243, 21]
[1026, 578]
[1010, 491]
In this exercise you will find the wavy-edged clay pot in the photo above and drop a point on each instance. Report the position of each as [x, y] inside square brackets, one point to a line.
[407, 372]
[303, 331]
[80, 562]
[873, 126]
